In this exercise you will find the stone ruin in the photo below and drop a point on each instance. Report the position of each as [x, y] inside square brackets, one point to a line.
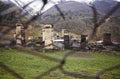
[47, 39]
[19, 34]
[83, 41]
[48, 36]
[107, 39]
[78, 44]
[66, 42]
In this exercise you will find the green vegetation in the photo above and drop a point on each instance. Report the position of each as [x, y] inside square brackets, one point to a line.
[29, 66]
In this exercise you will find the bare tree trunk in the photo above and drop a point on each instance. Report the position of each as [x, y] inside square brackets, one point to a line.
[93, 35]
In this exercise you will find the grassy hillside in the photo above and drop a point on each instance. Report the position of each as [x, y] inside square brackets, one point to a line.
[29, 66]
[78, 18]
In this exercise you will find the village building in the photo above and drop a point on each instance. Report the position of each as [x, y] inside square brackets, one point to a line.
[48, 36]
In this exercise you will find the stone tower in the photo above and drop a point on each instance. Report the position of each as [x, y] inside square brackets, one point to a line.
[107, 39]
[19, 34]
[48, 36]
